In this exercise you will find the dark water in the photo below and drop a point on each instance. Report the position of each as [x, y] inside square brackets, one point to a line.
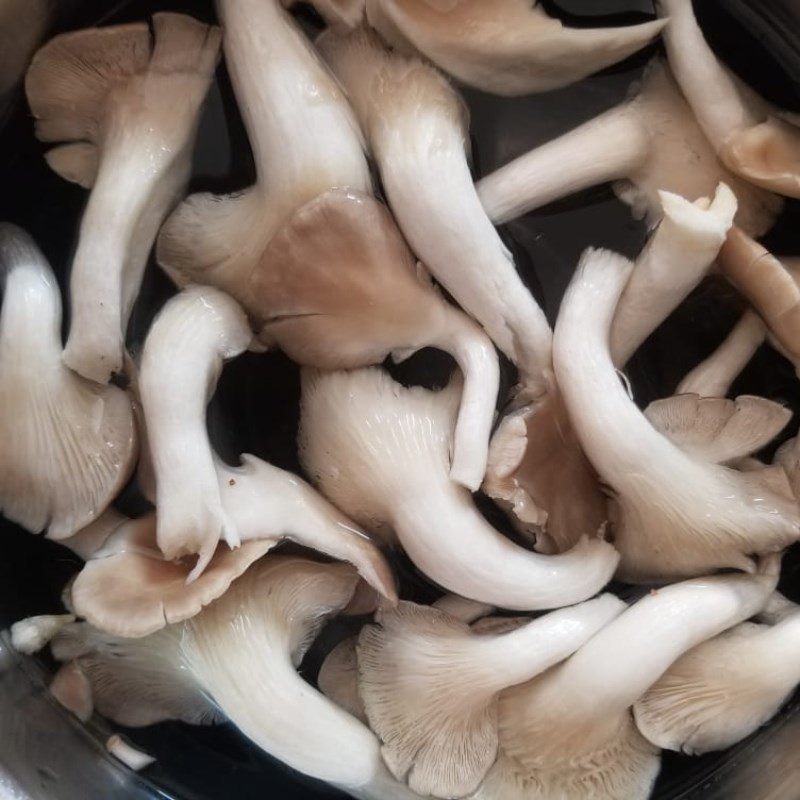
[255, 407]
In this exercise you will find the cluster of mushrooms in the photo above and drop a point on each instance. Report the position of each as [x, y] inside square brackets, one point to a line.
[185, 613]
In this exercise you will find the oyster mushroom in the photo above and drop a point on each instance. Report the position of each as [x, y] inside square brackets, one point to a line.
[506, 47]
[195, 332]
[380, 451]
[238, 659]
[339, 288]
[128, 110]
[72, 689]
[31, 634]
[751, 139]
[674, 514]
[724, 689]
[68, 445]
[642, 146]
[416, 128]
[128, 588]
[430, 685]
[304, 139]
[569, 732]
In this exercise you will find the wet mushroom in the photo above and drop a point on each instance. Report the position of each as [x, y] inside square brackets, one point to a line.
[724, 689]
[68, 445]
[642, 146]
[338, 288]
[128, 110]
[194, 333]
[430, 685]
[304, 139]
[128, 588]
[379, 452]
[508, 47]
[750, 137]
[569, 732]
[238, 659]
[673, 514]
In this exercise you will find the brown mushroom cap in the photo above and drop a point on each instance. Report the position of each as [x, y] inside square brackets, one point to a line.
[338, 287]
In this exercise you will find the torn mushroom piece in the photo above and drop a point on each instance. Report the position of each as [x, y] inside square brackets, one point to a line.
[674, 514]
[339, 288]
[68, 446]
[749, 136]
[195, 332]
[506, 47]
[379, 452]
[569, 733]
[416, 127]
[642, 146]
[724, 689]
[675, 260]
[128, 110]
[238, 659]
[430, 686]
[128, 588]
[304, 139]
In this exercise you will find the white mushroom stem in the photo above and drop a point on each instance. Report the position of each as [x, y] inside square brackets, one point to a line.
[31, 634]
[674, 261]
[129, 755]
[463, 609]
[701, 76]
[183, 355]
[415, 126]
[713, 376]
[702, 516]
[380, 453]
[658, 629]
[606, 148]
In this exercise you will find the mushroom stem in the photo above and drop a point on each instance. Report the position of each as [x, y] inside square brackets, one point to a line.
[260, 41]
[478, 363]
[183, 355]
[463, 609]
[672, 264]
[659, 628]
[713, 376]
[447, 538]
[606, 148]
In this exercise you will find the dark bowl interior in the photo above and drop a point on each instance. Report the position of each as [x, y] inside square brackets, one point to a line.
[255, 407]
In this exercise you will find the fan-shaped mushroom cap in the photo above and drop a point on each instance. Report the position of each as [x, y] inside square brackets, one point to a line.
[72, 688]
[715, 429]
[673, 514]
[429, 685]
[195, 332]
[380, 452]
[509, 47]
[129, 589]
[539, 472]
[723, 689]
[339, 288]
[750, 138]
[128, 110]
[68, 446]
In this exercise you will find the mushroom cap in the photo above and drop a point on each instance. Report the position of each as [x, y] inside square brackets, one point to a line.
[716, 429]
[509, 47]
[69, 445]
[338, 287]
[717, 693]
[73, 690]
[539, 469]
[128, 589]
[682, 160]
[338, 678]
[768, 155]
